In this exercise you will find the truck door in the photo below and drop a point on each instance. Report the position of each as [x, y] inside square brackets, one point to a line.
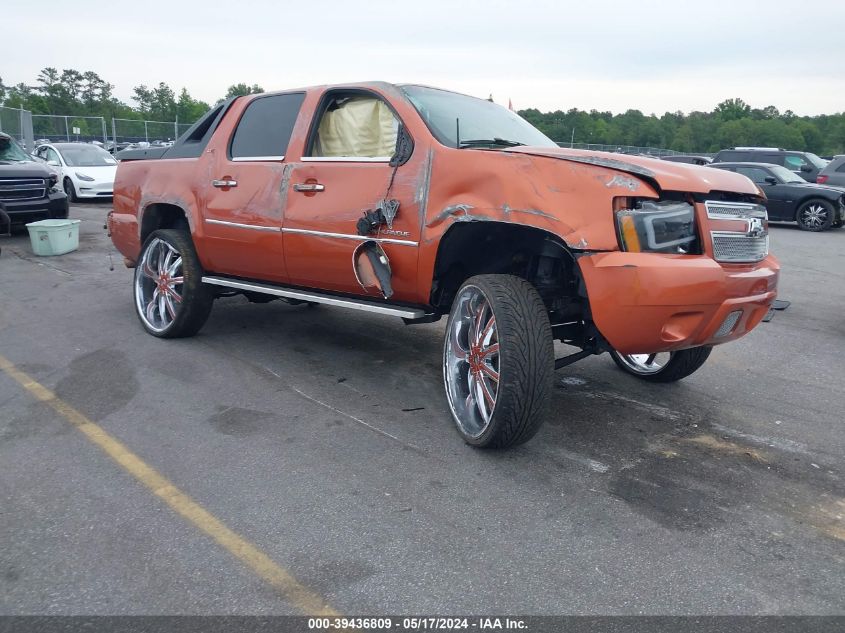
[344, 172]
[242, 191]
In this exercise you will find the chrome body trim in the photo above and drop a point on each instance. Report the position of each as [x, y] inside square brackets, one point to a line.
[347, 236]
[316, 297]
[238, 225]
[346, 159]
[246, 159]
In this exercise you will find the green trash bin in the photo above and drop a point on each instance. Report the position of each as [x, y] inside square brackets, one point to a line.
[54, 237]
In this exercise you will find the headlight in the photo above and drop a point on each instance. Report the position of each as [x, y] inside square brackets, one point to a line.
[83, 177]
[52, 180]
[657, 227]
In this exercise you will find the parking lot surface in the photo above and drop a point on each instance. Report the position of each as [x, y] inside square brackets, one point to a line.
[321, 438]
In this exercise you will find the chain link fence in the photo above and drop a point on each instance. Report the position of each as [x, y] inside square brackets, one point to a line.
[18, 124]
[57, 128]
[134, 131]
[620, 149]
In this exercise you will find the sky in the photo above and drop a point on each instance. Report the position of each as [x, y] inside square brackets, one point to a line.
[654, 56]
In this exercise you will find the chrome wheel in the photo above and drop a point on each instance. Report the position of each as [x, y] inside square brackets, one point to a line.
[158, 285]
[815, 215]
[471, 361]
[645, 364]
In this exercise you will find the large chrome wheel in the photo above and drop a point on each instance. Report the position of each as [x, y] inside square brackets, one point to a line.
[663, 366]
[498, 360]
[158, 289]
[471, 363]
[170, 298]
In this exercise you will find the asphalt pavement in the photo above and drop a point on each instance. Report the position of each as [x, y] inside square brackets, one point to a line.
[321, 437]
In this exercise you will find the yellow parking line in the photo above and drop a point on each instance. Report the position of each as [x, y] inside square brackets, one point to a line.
[298, 595]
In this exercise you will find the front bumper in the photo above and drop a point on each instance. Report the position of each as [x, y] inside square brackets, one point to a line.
[95, 189]
[648, 302]
[55, 205]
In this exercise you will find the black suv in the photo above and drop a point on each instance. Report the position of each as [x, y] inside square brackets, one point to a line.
[804, 164]
[27, 187]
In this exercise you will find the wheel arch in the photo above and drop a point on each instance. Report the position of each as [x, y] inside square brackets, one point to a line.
[162, 215]
[473, 248]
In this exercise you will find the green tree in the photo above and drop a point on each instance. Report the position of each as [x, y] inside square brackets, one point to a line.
[239, 90]
[732, 109]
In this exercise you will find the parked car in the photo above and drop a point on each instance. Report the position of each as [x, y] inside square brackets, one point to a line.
[833, 173]
[792, 199]
[692, 160]
[87, 171]
[421, 203]
[804, 164]
[28, 188]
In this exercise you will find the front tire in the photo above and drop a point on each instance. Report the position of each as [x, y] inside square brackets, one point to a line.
[815, 215]
[498, 361]
[70, 190]
[170, 299]
[665, 366]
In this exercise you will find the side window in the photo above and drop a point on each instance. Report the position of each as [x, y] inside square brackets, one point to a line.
[727, 157]
[757, 175]
[50, 154]
[794, 162]
[774, 159]
[265, 127]
[841, 168]
[355, 126]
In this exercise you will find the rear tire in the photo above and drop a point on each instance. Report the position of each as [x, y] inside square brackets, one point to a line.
[815, 215]
[498, 361]
[170, 299]
[679, 364]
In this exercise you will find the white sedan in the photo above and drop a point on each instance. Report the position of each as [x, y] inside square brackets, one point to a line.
[87, 171]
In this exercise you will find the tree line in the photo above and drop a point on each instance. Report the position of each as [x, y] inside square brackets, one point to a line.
[731, 123]
[74, 93]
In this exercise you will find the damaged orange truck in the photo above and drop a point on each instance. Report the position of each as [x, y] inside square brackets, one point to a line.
[419, 203]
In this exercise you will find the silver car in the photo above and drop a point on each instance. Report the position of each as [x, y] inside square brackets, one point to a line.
[833, 173]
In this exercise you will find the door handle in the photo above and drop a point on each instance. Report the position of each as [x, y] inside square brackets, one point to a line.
[224, 183]
[312, 187]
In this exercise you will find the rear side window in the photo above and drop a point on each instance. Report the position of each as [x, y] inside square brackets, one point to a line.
[265, 127]
[774, 159]
[841, 167]
[727, 157]
[756, 174]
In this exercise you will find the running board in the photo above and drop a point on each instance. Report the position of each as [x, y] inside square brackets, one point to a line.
[316, 297]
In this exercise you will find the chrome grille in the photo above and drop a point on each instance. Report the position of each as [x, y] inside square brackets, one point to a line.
[739, 247]
[22, 188]
[734, 210]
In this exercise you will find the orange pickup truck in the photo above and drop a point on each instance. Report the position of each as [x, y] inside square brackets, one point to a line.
[416, 202]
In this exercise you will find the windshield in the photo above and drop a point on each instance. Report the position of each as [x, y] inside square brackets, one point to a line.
[479, 119]
[819, 163]
[86, 156]
[11, 152]
[784, 175]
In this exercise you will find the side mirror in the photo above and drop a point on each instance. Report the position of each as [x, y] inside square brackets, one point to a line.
[771, 180]
[53, 163]
[806, 169]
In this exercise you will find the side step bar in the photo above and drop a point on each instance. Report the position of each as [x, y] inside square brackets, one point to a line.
[316, 297]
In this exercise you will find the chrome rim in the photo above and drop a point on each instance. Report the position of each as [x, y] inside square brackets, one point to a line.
[645, 364]
[471, 361]
[158, 285]
[814, 215]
